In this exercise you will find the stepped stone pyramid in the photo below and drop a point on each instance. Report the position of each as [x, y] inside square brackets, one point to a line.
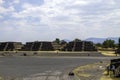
[38, 46]
[48, 46]
[80, 46]
[10, 46]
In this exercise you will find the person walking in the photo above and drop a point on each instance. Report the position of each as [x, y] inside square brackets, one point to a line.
[113, 69]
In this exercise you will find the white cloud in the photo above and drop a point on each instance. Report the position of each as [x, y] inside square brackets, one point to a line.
[1, 17]
[111, 2]
[50, 12]
[1, 2]
[64, 19]
[16, 1]
[4, 10]
[80, 3]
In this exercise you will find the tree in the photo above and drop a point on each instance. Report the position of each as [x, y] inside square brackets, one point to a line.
[118, 50]
[57, 40]
[63, 42]
[109, 43]
[77, 40]
[98, 45]
[119, 43]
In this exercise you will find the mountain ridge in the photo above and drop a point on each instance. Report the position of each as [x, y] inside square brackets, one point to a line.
[101, 40]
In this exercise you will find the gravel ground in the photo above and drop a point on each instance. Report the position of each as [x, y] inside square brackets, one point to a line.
[41, 68]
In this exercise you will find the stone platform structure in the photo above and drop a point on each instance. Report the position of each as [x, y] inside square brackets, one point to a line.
[48, 46]
[80, 46]
[38, 46]
[10, 46]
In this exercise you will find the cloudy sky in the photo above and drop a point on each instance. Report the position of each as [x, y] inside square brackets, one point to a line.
[31, 20]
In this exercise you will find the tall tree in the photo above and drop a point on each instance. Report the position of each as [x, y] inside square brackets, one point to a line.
[109, 43]
[119, 43]
[57, 40]
[98, 45]
[77, 40]
[62, 42]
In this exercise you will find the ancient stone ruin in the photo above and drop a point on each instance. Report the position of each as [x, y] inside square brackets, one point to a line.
[38, 46]
[79, 46]
[48, 46]
[10, 46]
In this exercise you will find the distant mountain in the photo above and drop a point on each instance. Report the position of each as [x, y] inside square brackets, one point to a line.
[67, 40]
[101, 40]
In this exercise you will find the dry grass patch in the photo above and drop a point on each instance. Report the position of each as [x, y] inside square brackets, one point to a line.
[108, 77]
[108, 53]
[90, 71]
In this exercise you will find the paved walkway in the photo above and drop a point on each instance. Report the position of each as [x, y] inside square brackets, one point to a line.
[48, 75]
